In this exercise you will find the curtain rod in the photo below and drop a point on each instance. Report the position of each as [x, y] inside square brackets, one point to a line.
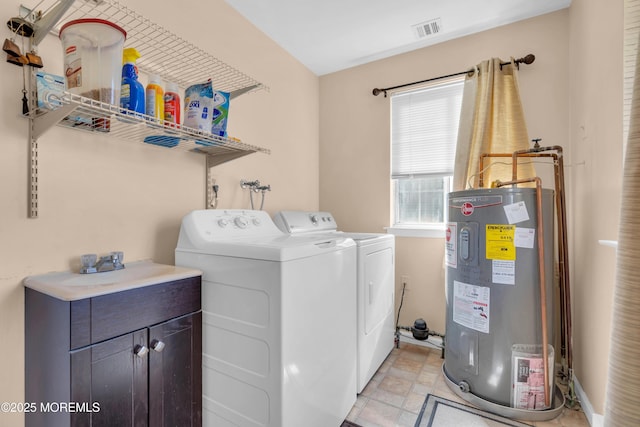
[525, 60]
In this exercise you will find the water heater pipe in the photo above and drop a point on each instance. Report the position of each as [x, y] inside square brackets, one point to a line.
[563, 246]
[543, 289]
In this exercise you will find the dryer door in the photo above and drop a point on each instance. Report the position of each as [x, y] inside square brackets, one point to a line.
[378, 287]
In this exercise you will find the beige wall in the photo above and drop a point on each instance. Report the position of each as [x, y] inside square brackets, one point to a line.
[571, 96]
[596, 135]
[99, 194]
[354, 137]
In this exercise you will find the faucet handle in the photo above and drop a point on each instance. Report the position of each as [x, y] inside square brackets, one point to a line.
[88, 263]
[88, 260]
[117, 257]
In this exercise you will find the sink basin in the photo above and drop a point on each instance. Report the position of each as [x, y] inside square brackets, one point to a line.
[71, 286]
[128, 274]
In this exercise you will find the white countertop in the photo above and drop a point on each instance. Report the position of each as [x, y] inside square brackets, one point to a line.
[69, 286]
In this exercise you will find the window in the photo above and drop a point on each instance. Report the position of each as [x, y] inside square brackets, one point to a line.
[424, 132]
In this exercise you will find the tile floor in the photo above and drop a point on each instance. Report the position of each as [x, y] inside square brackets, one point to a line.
[395, 394]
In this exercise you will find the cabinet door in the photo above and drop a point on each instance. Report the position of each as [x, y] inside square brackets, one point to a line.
[111, 378]
[175, 372]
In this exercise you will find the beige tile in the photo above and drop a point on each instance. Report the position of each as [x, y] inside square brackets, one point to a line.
[413, 402]
[396, 385]
[406, 419]
[415, 352]
[409, 364]
[428, 378]
[388, 397]
[394, 397]
[379, 413]
[371, 387]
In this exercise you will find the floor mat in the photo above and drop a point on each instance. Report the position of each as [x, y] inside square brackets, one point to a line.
[440, 412]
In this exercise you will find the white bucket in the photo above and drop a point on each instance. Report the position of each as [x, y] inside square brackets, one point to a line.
[93, 58]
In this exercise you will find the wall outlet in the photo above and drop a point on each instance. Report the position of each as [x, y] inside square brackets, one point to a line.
[404, 282]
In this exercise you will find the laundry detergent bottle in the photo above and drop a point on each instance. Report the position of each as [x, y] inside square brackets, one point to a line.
[155, 98]
[132, 95]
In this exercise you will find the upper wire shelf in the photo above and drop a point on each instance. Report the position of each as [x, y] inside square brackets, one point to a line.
[161, 51]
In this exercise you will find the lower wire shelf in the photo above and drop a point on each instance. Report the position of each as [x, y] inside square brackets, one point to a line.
[86, 114]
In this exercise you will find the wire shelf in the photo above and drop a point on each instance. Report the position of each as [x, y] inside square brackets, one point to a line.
[161, 51]
[86, 114]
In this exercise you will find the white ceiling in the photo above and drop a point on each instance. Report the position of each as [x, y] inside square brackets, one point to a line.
[332, 35]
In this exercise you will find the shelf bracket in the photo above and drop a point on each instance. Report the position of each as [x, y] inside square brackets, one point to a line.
[242, 91]
[45, 24]
[33, 177]
[44, 122]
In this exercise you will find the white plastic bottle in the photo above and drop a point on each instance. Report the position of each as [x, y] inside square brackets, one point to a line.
[154, 96]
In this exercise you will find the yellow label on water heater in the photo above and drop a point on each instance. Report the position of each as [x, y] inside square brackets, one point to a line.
[500, 242]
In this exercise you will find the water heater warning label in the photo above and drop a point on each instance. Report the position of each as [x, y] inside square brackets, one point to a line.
[451, 238]
[471, 306]
[500, 243]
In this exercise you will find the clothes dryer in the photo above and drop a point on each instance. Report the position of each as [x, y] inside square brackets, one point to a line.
[375, 278]
[277, 347]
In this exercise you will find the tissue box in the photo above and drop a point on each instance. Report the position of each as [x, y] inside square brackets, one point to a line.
[50, 89]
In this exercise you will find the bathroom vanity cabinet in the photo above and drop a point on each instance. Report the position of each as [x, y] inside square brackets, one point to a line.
[127, 358]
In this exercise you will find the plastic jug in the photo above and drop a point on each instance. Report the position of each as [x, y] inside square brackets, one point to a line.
[132, 96]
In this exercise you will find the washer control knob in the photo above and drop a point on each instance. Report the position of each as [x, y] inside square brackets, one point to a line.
[256, 222]
[314, 219]
[240, 222]
[223, 223]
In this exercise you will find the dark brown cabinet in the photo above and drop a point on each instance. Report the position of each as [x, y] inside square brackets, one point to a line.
[131, 358]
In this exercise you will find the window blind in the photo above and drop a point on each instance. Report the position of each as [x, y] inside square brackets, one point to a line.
[424, 130]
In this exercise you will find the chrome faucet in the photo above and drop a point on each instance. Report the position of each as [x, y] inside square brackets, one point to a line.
[110, 262]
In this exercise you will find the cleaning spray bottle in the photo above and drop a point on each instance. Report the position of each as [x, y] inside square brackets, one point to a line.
[155, 98]
[172, 105]
[132, 95]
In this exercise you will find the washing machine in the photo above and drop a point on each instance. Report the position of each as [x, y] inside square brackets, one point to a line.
[375, 278]
[278, 349]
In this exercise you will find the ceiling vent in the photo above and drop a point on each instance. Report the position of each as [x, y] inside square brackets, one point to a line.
[428, 28]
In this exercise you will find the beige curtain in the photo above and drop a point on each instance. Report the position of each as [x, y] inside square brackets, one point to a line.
[622, 406]
[491, 121]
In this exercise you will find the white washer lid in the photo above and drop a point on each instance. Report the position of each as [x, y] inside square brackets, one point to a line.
[250, 234]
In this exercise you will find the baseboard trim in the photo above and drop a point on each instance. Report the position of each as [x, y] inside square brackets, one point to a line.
[595, 420]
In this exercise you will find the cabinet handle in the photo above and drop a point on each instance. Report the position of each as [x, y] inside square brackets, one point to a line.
[140, 350]
[157, 345]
